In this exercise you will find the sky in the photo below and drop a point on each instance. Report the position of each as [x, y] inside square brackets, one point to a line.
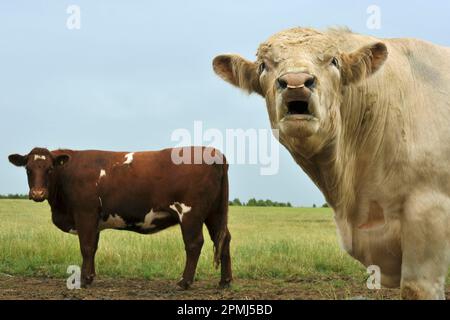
[138, 70]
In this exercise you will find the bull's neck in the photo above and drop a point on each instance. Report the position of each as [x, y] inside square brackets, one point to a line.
[325, 173]
[337, 169]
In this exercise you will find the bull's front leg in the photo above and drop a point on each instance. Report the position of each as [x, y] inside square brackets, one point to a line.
[88, 235]
[425, 246]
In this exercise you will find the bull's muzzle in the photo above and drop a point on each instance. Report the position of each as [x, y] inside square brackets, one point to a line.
[296, 80]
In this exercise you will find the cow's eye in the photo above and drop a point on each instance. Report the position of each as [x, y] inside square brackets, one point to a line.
[28, 171]
[261, 68]
[335, 62]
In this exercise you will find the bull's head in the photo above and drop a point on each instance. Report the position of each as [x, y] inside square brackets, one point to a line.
[40, 165]
[302, 74]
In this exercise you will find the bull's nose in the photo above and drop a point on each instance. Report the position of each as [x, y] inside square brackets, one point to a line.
[296, 80]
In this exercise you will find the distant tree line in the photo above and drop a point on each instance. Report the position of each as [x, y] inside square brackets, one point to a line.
[236, 202]
[265, 203]
[259, 203]
[13, 196]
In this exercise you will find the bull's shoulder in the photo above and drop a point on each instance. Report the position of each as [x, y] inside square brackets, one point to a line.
[420, 51]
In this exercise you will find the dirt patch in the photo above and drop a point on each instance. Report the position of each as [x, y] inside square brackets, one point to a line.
[27, 288]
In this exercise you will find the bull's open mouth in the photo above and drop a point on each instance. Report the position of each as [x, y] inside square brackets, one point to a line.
[299, 118]
[298, 108]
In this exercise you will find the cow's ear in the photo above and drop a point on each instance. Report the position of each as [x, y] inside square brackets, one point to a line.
[61, 160]
[18, 160]
[361, 64]
[238, 71]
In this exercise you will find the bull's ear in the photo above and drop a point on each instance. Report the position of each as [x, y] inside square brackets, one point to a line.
[361, 64]
[238, 71]
[61, 160]
[18, 160]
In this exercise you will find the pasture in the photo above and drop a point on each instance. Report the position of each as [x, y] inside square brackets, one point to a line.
[277, 253]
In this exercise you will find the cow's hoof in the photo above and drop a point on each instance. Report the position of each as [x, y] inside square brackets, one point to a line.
[224, 284]
[85, 285]
[87, 282]
[185, 285]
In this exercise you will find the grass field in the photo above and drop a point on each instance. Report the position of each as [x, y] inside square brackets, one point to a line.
[279, 244]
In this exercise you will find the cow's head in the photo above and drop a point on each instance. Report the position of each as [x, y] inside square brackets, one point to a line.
[40, 165]
[302, 74]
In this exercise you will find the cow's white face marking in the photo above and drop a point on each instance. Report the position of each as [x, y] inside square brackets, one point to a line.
[113, 222]
[181, 209]
[39, 157]
[73, 231]
[102, 174]
[150, 217]
[129, 158]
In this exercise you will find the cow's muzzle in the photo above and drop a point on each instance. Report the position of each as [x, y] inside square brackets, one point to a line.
[38, 194]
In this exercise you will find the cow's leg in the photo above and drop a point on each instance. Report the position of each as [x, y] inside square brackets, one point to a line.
[225, 262]
[426, 247]
[88, 235]
[193, 242]
[214, 227]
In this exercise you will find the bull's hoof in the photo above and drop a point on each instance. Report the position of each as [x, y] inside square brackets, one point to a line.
[185, 285]
[414, 291]
[224, 284]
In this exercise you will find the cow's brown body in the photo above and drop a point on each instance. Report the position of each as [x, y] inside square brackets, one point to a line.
[143, 192]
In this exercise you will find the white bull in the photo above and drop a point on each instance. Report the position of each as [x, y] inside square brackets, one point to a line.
[369, 121]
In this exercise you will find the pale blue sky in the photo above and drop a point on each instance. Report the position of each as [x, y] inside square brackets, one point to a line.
[137, 70]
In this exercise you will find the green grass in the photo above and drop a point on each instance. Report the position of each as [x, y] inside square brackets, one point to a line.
[267, 243]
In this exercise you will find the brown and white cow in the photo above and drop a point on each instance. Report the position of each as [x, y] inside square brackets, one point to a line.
[369, 121]
[144, 192]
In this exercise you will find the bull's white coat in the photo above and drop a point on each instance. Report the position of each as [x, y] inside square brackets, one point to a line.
[379, 150]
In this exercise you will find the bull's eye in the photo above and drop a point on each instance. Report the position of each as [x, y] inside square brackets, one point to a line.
[335, 62]
[261, 68]
[28, 171]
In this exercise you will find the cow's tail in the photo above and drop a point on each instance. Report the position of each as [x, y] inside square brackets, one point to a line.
[223, 215]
